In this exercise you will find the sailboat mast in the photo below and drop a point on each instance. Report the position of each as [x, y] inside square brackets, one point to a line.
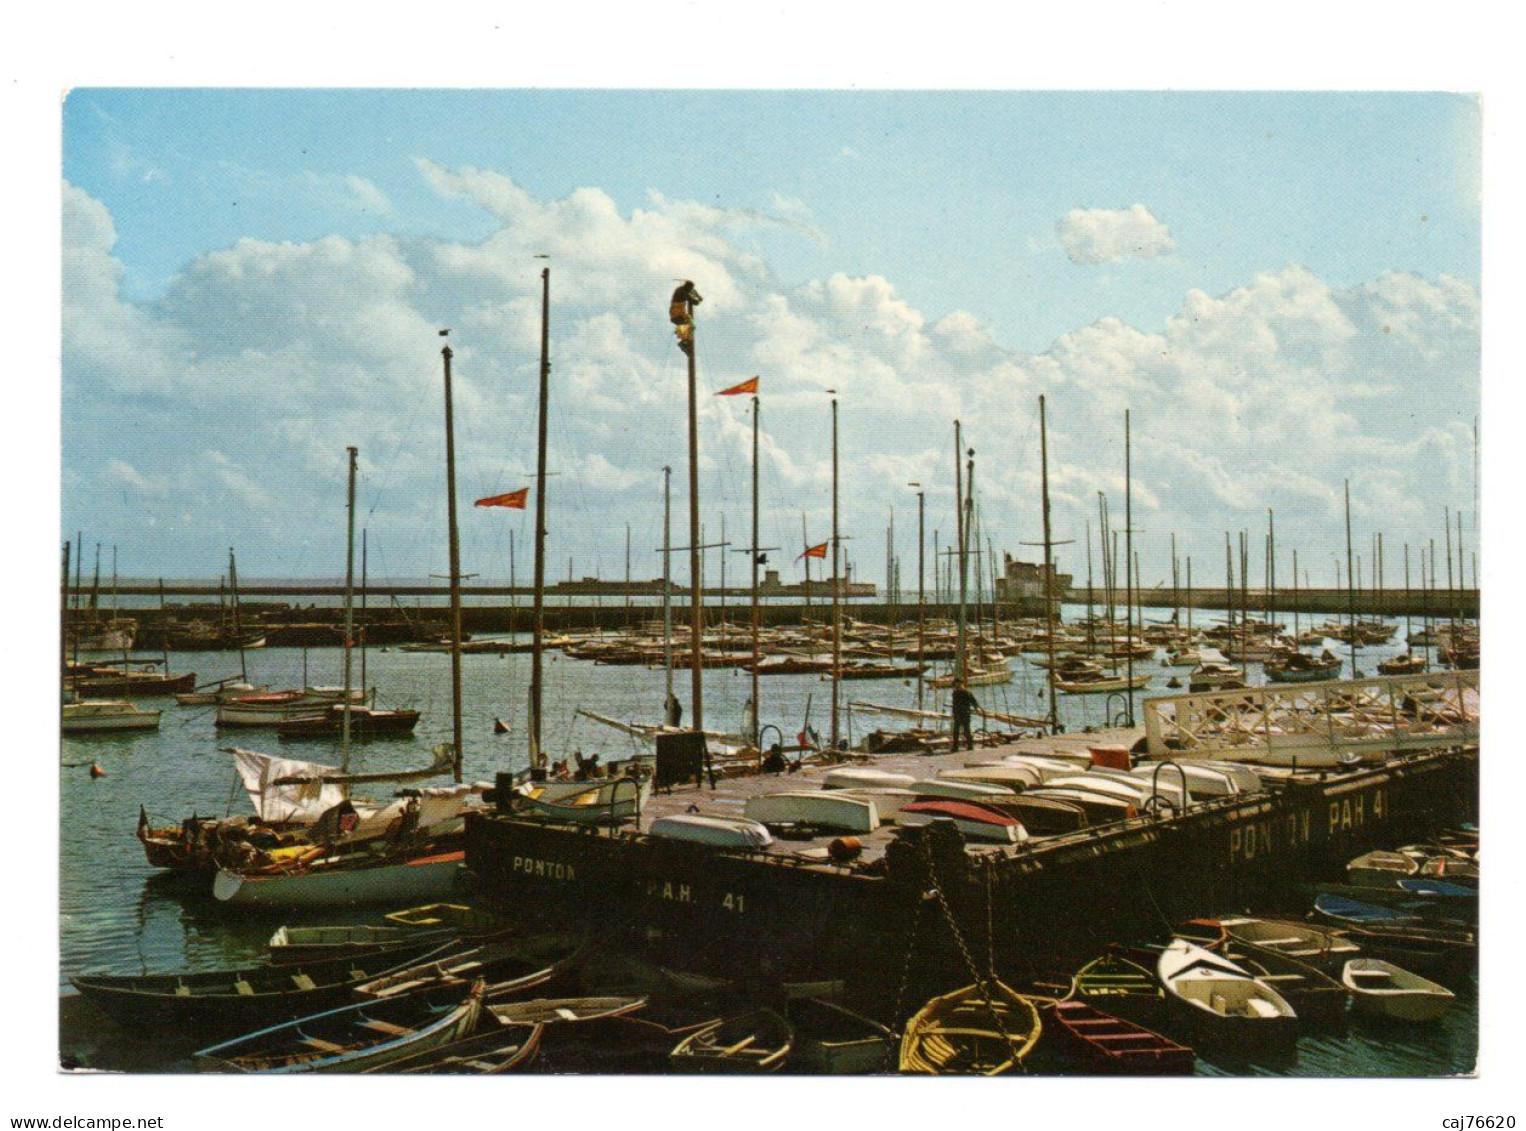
[1350, 585]
[538, 617]
[1407, 628]
[696, 577]
[1047, 577]
[836, 586]
[921, 590]
[238, 624]
[667, 588]
[455, 570]
[959, 534]
[364, 584]
[752, 554]
[349, 611]
[63, 616]
[1296, 632]
[1128, 553]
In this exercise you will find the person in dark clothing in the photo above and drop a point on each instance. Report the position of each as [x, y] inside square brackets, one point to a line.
[962, 703]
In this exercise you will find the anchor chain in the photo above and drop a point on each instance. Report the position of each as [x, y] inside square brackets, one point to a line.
[977, 980]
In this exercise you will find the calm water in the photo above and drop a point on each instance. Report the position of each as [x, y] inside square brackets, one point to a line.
[115, 915]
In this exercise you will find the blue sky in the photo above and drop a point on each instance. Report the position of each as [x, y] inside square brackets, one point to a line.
[1333, 239]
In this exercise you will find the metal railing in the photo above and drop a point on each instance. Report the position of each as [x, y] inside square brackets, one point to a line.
[1317, 723]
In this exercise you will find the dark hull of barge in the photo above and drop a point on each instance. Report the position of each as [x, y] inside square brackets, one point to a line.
[1055, 901]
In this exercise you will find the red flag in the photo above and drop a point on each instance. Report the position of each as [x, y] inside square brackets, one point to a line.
[514, 499]
[814, 552]
[748, 386]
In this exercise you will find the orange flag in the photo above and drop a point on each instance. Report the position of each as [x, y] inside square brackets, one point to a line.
[814, 552]
[748, 386]
[514, 499]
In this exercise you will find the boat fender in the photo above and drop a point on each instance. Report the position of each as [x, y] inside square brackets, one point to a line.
[844, 848]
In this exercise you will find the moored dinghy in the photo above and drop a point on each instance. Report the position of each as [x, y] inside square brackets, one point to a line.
[1320, 947]
[1222, 1002]
[501, 1049]
[1118, 985]
[258, 994]
[1102, 1043]
[754, 1042]
[968, 1032]
[1381, 989]
[1380, 869]
[835, 1041]
[315, 944]
[355, 1038]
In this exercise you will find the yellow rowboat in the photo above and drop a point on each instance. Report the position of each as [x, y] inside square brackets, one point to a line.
[959, 1034]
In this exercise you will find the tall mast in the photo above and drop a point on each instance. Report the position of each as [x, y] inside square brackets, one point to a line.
[1091, 624]
[1047, 576]
[538, 616]
[959, 534]
[752, 553]
[1407, 628]
[667, 592]
[1229, 597]
[238, 624]
[836, 585]
[63, 618]
[1128, 551]
[164, 637]
[1176, 591]
[364, 585]
[921, 591]
[455, 569]
[696, 578]
[1296, 632]
[1461, 578]
[349, 610]
[1271, 569]
[1189, 598]
[1350, 586]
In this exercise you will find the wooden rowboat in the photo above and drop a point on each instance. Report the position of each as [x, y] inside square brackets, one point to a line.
[831, 1040]
[1119, 986]
[968, 1033]
[1102, 1043]
[355, 1038]
[502, 1049]
[561, 1010]
[1221, 1002]
[251, 996]
[750, 1043]
[1381, 989]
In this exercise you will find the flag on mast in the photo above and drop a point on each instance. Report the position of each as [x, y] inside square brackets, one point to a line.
[748, 386]
[815, 551]
[514, 500]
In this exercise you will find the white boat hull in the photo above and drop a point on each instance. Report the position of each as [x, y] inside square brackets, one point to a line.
[420, 881]
[77, 719]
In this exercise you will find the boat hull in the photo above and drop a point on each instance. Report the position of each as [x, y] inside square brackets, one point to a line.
[432, 877]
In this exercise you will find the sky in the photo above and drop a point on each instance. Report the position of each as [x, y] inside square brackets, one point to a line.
[1281, 289]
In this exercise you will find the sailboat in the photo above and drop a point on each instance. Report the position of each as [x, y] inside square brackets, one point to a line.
[231, 687]
[420, 835]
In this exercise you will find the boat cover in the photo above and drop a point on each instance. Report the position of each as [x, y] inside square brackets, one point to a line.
[302, 802]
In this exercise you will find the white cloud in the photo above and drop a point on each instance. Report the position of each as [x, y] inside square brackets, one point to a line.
[1101, 235]
[242, 386]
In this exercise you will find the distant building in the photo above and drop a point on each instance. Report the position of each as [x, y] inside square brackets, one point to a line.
[771, 586]
[1024, 581]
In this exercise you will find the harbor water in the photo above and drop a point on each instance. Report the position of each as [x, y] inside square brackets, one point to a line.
[118, 915]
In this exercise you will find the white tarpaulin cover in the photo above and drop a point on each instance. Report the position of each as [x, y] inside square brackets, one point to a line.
[438, 804]
[302, 803]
